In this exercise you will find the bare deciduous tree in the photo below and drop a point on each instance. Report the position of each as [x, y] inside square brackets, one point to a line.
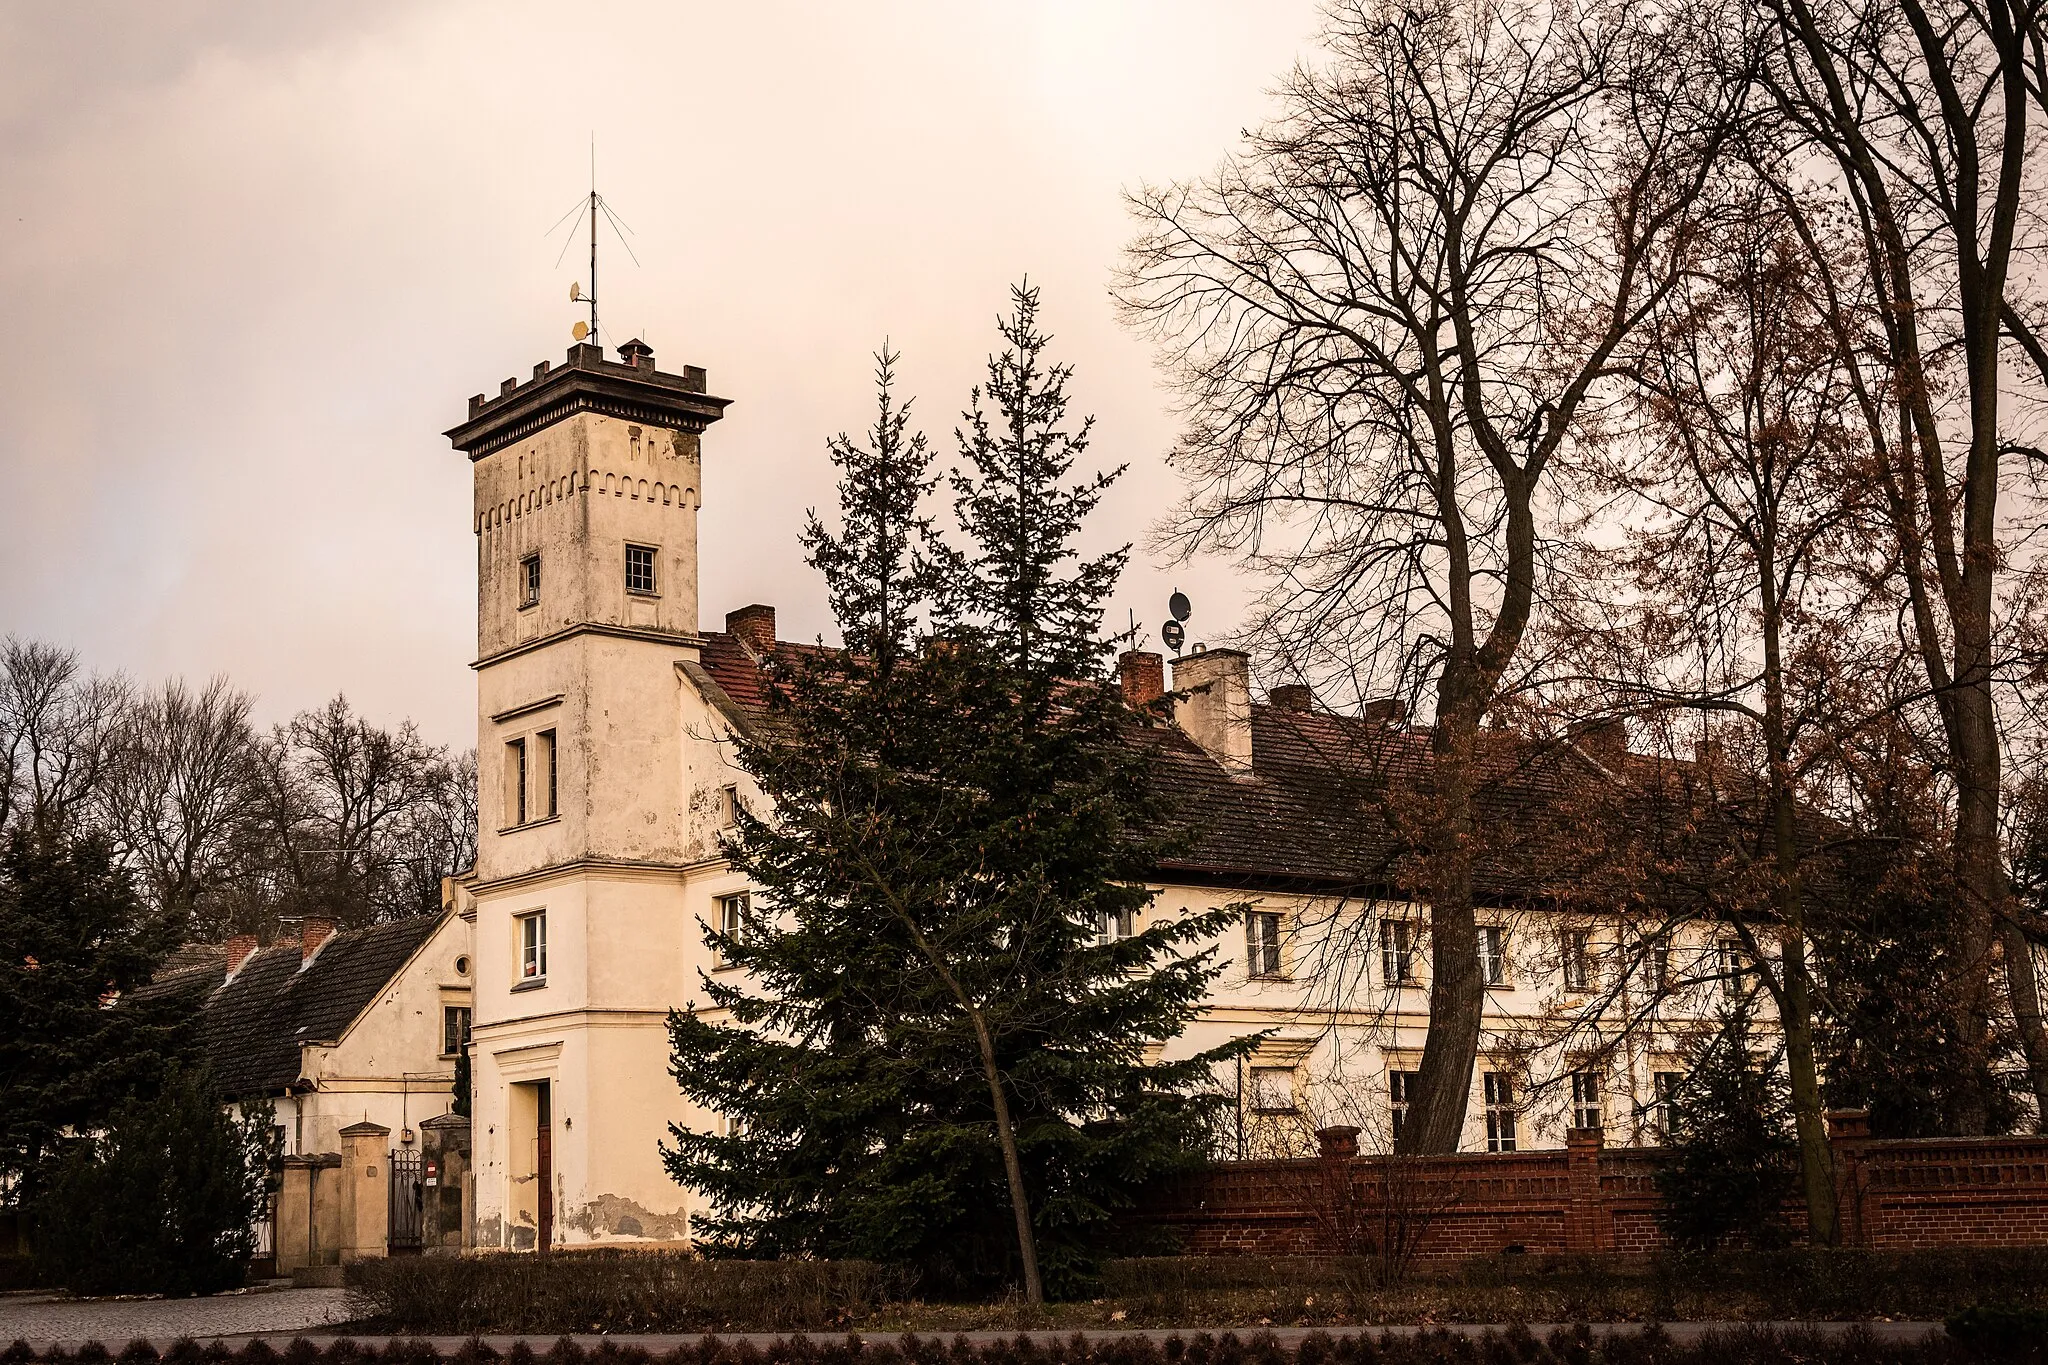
[1389, 321]
[58, 733]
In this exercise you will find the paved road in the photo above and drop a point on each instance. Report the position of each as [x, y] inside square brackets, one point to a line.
[40, 1319]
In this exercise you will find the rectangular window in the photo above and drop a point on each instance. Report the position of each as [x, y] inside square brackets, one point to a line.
[548, 792]
[529, 581]
[736, 920]
[640, 569]
[1493, 962]
[533, 946]
[1272, 1089]
[728, 807]
[515, 782]
[1586, 1110]
[1111, 925]
[1663, 1091]
[1576, 958]
[1397, 952]
[1657, 958]
[1400, 1086]
[1262, 943]
[1500, 1111]
[1731, 966]
[454, 1029]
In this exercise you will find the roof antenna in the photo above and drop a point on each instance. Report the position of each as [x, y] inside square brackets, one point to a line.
[592, 204]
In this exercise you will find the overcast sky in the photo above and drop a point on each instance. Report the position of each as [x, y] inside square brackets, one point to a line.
[255, 257]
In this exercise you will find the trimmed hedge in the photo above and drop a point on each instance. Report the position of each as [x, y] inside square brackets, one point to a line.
[1565, 1346]
[613, 1291]
[636, 1291]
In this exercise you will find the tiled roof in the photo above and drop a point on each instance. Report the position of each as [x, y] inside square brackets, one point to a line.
[1325, 802]
[257, 1022]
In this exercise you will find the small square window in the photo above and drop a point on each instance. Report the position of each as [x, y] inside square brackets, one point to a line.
[533, 947]
[529, 581]
[640, 569]
[454, 1029]
[1272, 1090]
[1262, 944]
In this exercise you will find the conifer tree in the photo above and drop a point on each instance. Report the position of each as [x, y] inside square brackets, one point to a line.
[1733, 1158]
[936, 1054]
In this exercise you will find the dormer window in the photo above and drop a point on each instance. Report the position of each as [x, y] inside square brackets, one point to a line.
[529, 582]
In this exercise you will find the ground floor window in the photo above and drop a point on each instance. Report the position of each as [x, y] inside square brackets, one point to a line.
[1400, 1085]
[1272, 1089]
[1663, 1091]
[1586, 1110]
[1500, 1111]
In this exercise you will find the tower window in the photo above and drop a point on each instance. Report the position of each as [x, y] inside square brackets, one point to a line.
[640, 568]
[529, 581]
[548, 800]
[515, 782]
[533, 947]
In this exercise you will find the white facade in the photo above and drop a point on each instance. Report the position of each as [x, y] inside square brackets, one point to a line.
[603, 755]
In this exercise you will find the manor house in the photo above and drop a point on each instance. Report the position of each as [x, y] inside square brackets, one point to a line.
[605, 712]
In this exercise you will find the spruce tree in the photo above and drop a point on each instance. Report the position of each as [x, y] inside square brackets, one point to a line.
[74, 937]
[1733, 1159]
[937, 1053]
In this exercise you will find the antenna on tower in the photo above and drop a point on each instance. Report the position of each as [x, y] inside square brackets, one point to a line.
[590, 205]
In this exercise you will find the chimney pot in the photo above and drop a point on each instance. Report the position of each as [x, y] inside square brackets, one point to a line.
[240, 949]
[1143, 676]
[638, 354]
[1292, 697]
[753, 626]
[1213, 705]
[314, 930]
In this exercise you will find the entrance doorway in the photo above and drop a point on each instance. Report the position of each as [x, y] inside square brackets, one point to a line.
[532, 1205]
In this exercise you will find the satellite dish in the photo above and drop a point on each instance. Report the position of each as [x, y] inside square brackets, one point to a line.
[580, 330]
[1179, 605]
[575, 292]
[1173, 634]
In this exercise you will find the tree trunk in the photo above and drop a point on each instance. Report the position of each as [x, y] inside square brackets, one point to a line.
[1013, 1167]
[1981, 886]
[1457, 994]
[2023, 985]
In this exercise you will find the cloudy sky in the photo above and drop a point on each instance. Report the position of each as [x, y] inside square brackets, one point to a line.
[255, 257]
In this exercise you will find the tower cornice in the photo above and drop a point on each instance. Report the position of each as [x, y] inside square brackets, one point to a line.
[587, 382]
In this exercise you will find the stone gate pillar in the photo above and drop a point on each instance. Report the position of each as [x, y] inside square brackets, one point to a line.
[365, 1191]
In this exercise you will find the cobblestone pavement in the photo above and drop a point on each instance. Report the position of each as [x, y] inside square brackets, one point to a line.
[39, 1318]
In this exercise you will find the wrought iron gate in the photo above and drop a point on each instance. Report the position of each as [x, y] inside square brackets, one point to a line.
[408, 1197]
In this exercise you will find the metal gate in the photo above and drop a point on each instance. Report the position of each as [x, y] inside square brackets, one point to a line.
[408, 1197]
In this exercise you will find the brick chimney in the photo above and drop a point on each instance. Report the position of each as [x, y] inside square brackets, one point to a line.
[241, 948]
[1338, 1142]
[754, 627]
[1292, 697]
[1384, 711]
[314, 930]
[1143, 676]
[1605, 742]
[1213, 705]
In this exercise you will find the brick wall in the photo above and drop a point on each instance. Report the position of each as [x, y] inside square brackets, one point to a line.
[1590, 1198]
